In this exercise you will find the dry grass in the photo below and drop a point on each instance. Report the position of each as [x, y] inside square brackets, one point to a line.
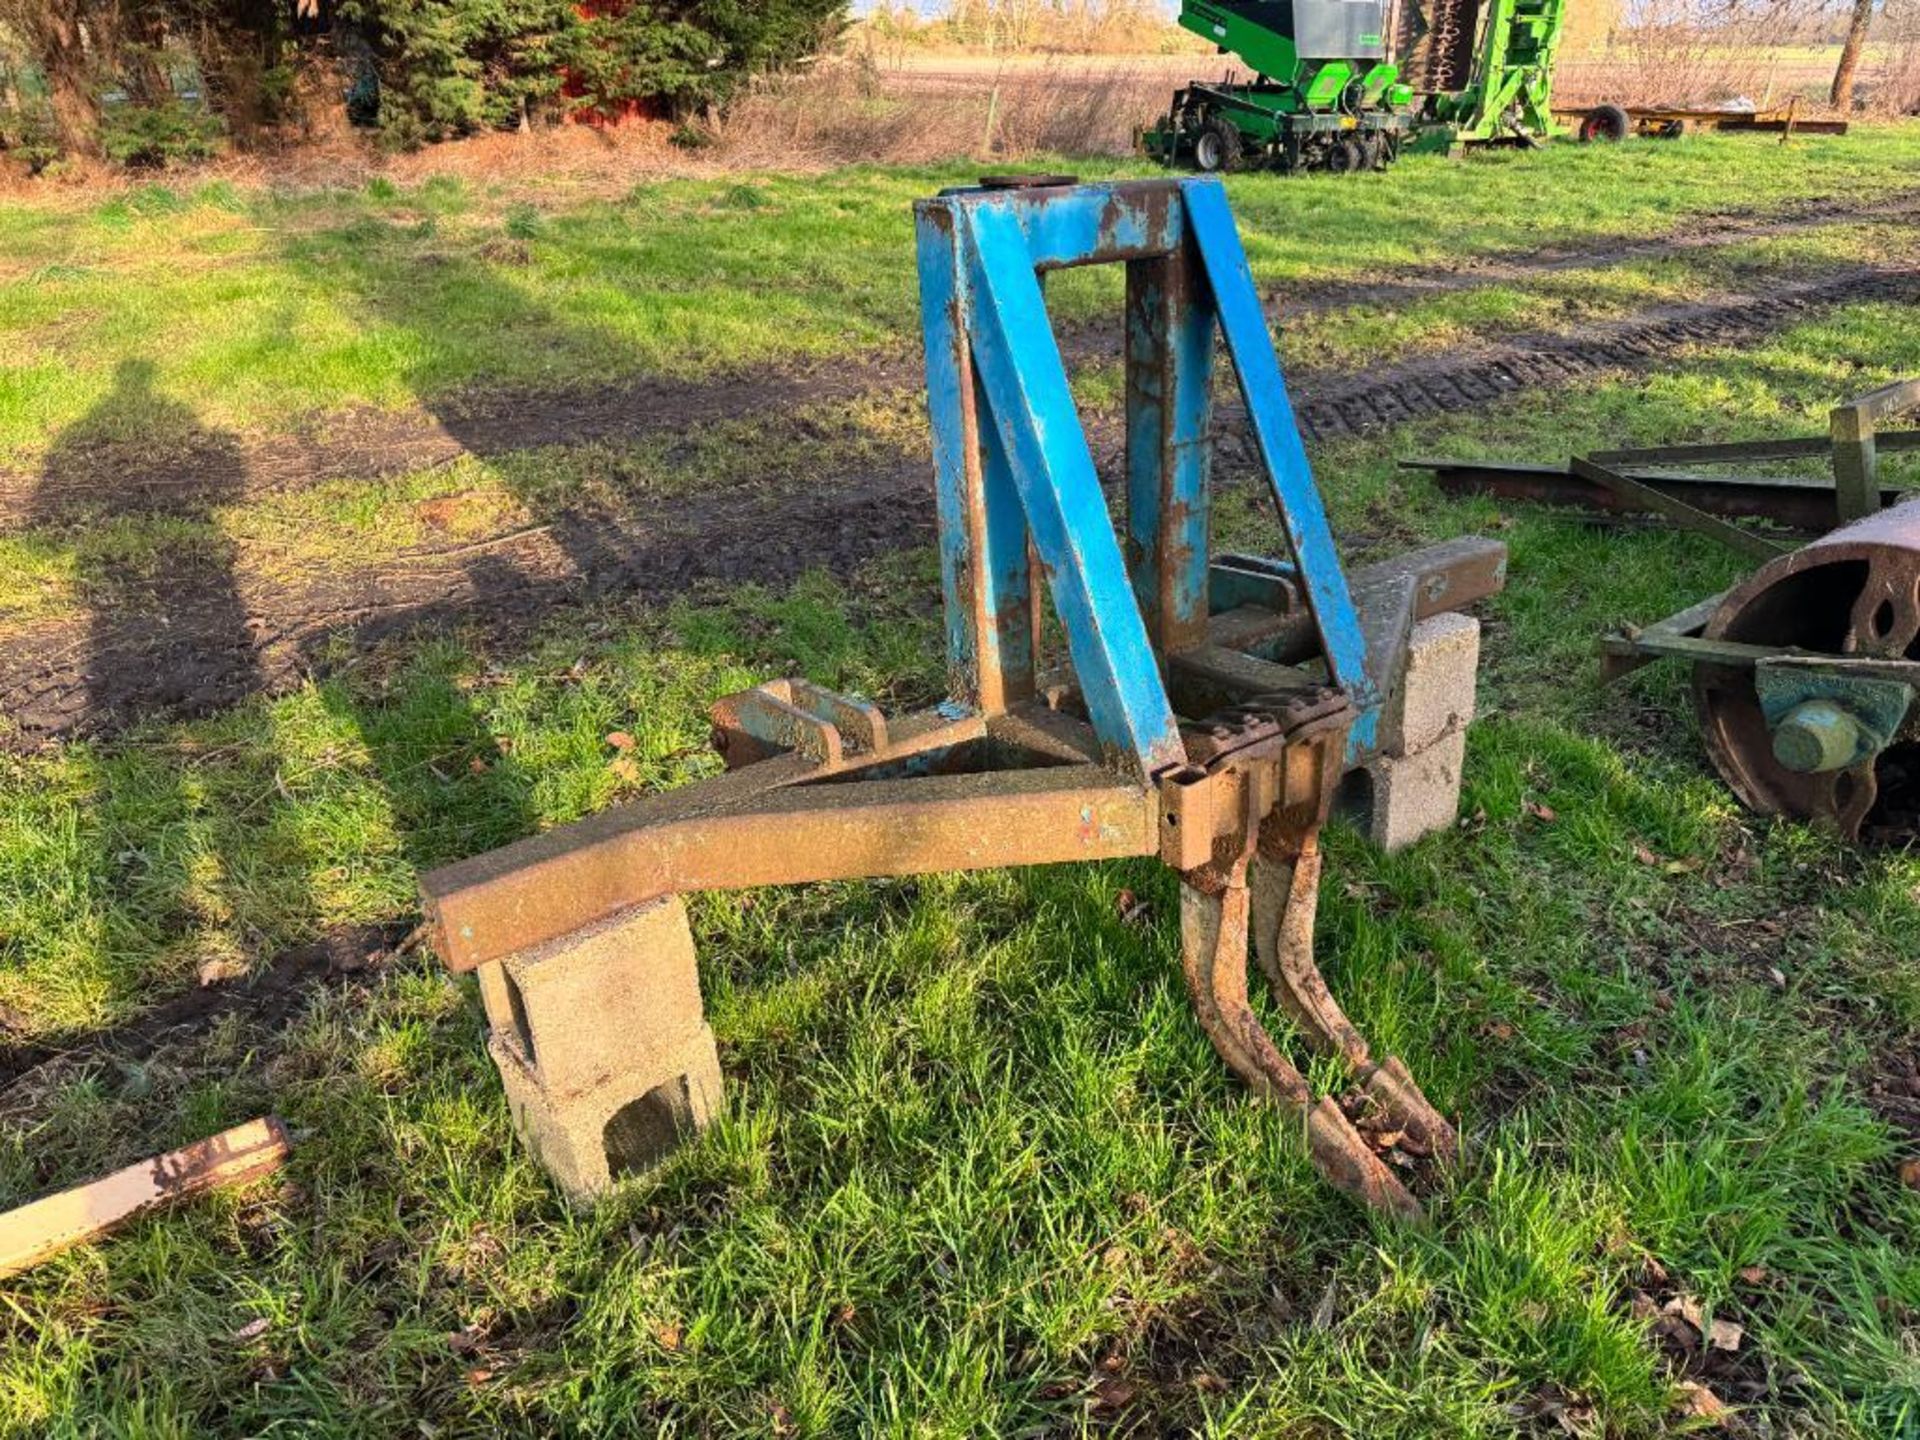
[929, 106]
[845, 111]
[855, 111]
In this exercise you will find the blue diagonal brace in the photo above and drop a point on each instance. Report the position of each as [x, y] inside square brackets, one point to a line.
[1025, 382]
[1302, 516]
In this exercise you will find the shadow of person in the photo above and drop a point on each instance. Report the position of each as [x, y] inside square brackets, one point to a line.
[452, 786]
[166, 627]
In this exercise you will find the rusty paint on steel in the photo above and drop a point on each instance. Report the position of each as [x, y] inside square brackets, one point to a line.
[1103, 766]
[1856, 444]
[1216, 908]
[1800, 504]
[552, 884]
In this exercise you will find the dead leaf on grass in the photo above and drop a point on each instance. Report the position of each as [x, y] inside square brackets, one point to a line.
[1693, 1398]
[219, 970]
[1688, 1309]
[1753, 1274]
[620, 740]
[1725, 1335]
[1571, 1414]
[252, 1330]
[1323, 1312]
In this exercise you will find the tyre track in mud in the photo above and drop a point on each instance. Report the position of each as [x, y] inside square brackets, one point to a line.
[1445, 384]
[1704, 233]
[369, 444]
[81, 677]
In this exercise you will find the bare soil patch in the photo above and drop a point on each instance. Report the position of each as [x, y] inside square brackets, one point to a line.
[199, 642]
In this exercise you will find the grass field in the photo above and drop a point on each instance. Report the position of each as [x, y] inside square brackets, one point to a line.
[980, 1172]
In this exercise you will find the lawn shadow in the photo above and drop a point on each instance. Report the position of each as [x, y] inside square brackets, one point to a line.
[451, 784]
[167, 628]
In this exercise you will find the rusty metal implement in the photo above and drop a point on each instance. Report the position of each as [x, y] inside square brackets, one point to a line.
[1206, 707]
[1806, 675]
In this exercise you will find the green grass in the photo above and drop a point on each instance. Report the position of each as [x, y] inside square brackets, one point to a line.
[979, 1172]
[261, 307]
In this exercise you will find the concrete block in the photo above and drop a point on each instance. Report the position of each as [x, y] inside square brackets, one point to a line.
[590, 1138]
[602, 1045]
[579, 1008]
[1417, 794]
[1437, 693]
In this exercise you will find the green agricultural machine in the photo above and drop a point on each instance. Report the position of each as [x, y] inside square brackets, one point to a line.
[1327, 96]
[1483, 70]
[1345, 85]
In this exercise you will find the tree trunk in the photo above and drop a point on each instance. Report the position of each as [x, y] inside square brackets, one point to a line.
[1856, 41]
[142, 49]
[56, 36]
[76, 109]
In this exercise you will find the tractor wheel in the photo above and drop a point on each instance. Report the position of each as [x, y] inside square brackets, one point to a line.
[1217, 146]
[1344, 157]
[1605, 122]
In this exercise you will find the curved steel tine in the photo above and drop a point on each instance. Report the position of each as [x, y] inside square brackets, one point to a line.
[1286, 898]
[1213, 951]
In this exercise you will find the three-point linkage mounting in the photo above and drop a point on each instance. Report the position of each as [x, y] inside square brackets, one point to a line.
[1205, 710]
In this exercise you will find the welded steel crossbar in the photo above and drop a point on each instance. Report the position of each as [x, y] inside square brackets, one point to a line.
[1206, 708]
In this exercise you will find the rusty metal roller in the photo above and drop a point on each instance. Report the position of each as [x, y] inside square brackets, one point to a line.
[1823, 725]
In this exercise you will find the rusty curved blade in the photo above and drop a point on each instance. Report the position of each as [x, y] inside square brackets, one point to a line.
[1213, 943]
[1286, 898]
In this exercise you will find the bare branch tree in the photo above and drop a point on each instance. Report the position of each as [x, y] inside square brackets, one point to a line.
[1857, 27]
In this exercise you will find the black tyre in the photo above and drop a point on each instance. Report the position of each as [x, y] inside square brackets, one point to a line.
[1605, 122]
[1344, 157]
[1217, 146]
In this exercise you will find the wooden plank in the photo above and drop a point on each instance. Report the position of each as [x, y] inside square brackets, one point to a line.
[43, 1228]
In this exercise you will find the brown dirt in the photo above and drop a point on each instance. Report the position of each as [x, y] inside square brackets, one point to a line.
[133, 478]
[197, 642]
[265, 999]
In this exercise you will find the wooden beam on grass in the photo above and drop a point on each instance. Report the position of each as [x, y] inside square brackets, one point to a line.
[43, 1228]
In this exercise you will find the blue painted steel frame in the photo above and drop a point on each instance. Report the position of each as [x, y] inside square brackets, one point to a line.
[1017, 485]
